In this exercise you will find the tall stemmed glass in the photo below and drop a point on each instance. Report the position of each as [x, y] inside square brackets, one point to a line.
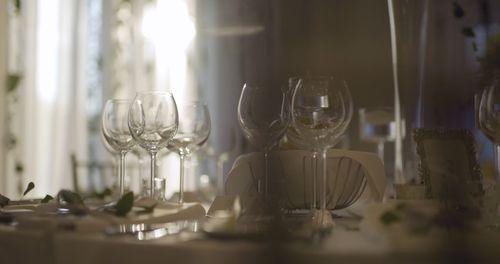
[263, 119]
[489, 118]
[321, 111]
[153, 122]
[116, 133]
[377, 125]
[194, 129]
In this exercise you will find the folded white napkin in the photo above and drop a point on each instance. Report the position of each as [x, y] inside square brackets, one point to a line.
[292, 171]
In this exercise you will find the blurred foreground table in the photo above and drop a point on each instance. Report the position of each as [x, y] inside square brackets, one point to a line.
[352, 241]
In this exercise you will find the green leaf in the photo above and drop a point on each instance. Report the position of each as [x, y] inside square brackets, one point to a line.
[69, 197]
[12, 82]
[17, 4]
[124, 205]
[458, 11]
[147, 209]
[4, 201]
[400, 206]
[19, 168]
[468, 32]
[30, 187]
[474, 46]
[421, 230]
[46, 199]
[103, 194]
[389, 218]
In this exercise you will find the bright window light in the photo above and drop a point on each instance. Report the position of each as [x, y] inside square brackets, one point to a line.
[47, 51]
[170, 28]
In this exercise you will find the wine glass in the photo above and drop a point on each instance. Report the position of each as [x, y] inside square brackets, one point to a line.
[153, 122]
[115, 161]
[321, 112]
[221, 152]
[488, 118]
[304, 143]
[263, 118]
[377, 125]
[193, 131]
[140, 153]
[116, 133]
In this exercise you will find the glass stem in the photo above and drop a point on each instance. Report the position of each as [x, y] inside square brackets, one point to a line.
[181, 181]
[314, 175]
[153, 174]
[380, 150]
[220, 174]
[121, 173]
[266, 174]
[497, 163]
[143, 180]
[323, 180]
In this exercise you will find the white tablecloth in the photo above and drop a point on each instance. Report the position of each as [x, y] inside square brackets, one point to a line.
[69, 247]
[345, 244]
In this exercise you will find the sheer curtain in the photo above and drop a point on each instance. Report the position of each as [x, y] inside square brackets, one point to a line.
[53, 95]
[75, 54]
[3, 74]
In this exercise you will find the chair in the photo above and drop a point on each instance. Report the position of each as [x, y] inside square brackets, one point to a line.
[349, 173]
[98, 175]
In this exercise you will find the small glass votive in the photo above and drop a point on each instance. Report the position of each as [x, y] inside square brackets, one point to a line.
[160, 185]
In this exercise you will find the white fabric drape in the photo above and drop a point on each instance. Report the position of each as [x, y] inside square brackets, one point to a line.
[53, 103]
[4, 184]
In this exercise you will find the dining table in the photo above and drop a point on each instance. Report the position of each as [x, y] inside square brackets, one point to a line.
[357, 237]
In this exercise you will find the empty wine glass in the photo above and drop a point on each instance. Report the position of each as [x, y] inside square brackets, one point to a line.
[193, 131]
[153, 122]
[377, 125]
[104, 182]
[321, 112]
[488, 115]
[221, 151]
[117, 134]
[263, 119]
[143, 177]
[304, 143]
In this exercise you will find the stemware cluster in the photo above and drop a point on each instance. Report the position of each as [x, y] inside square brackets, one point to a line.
[152, 121]
[315, 110]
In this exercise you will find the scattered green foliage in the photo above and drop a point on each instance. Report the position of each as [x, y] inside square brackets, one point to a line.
[468, 32]
[458, 11]
[490, 61]
[124, 205]
[390, 217]
[30, 187]
[46, 199]
[101, 195]
[17, 4]
[147, 210]
[421, 230]
[400, 206]
[19, 167]
[69, 197]
[12, 82]
[4, 201]
[474, 46]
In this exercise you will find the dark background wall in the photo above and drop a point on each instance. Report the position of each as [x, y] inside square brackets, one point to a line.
[349, 39]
